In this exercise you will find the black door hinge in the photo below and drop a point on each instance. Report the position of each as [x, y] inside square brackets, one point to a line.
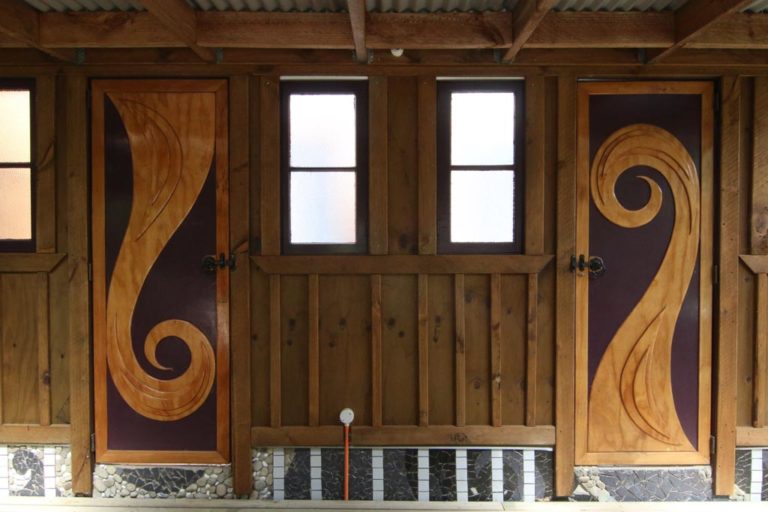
[93, 443]
[716, 274]
[712, 445]
[90, 272]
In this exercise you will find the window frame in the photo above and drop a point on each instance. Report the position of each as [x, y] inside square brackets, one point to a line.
[445, 88]
[359, 88]
[26, 245]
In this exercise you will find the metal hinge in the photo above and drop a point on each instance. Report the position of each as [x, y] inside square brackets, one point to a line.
[712, 445]
[716, 274]
[90, 272]
[93, 443]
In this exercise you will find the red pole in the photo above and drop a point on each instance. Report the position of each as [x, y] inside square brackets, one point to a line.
[346, 462]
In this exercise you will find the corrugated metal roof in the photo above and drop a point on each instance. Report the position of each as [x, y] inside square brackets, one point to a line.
[86, 5]
[758, 6]
[618, 5]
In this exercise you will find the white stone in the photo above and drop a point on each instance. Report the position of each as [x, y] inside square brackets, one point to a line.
[99, 485]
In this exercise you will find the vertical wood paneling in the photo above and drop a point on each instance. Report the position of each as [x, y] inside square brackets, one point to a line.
[294, 351]
[240, 310]
[400, 350]
[403, 164]
[314, 349]
[427, 162]
[41, 311]
[759, 213]
[423, 320]
[378, 151]
[74, 131]
[269, 135]
[442, 351]
[532, 333]
[275, 377]
[728, 328]
[513, 362]
[376, 354]
[345, 349]
[496, 352]
[45, 171]
[461, 350]
[478, 349]
[761, 351]
[19, 334]
[565, 326]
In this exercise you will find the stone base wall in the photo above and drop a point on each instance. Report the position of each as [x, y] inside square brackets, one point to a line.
[28, 470]
[691, 483]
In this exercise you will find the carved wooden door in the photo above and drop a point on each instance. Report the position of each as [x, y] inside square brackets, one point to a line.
[644, 267]
[160, 206]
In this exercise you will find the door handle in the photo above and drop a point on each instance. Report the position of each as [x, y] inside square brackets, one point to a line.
[595, 265]
[210, 263]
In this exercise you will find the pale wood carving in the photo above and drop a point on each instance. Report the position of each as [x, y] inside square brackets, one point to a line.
[631, 406]
[172, 146]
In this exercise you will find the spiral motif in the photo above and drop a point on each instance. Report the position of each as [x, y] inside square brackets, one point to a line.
[634, 378]
[172, 153]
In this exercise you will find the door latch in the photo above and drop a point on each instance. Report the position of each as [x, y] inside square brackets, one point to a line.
[211, 263]
[595, 265]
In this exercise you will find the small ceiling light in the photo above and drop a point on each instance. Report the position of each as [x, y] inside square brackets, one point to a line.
[397, 52]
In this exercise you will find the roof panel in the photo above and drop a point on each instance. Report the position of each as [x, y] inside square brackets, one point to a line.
[85, 5]
[758, 6]
[618, 5]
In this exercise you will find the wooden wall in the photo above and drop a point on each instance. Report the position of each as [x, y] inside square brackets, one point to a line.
[427, 349]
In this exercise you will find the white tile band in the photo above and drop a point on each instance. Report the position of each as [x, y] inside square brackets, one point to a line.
[377, 473]
[278, 474]
[529, 475]
[497, 475]
[756, 481]
[462, 487]
[423, 474]
[316, 473]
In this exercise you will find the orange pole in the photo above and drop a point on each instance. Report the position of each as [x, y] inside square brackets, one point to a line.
[346, 462]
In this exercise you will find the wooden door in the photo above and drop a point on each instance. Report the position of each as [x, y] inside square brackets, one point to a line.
[160, 192]
[644, 230]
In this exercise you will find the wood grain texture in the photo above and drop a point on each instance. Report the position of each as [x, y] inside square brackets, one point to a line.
[178, 18]
[759, 174]
[378, 148]
[478, 385]
[43, 375]
[496, 351]
[514, 361]
[376, 352]
[21, 22]
[760, 393]
[39, 262]
[275, 367]
[269, 144]
[728, 326]
[527, 17]
[35, 434]
[532, 349]
[461, 350]
[427, 161]
[442, 351]
[423, 323]
[294, 350]
[45, 165]
[400, 350]
[357, 16]
[313, 300]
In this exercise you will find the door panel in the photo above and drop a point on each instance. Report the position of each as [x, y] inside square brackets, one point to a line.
[644, 323]
[160, 321]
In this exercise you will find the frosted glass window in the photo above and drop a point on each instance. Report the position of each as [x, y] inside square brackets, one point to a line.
[482, 206]
[322, 130]
[15, 204]
[482, 128]
[323, 207]
[15, 131]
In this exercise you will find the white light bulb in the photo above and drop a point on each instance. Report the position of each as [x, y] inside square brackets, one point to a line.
[347, 416]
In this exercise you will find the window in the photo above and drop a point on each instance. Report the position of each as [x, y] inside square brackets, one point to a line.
[480, 143]
[16, 205]
[324, 166]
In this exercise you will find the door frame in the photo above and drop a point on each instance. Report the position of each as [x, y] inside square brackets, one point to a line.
[583, 197]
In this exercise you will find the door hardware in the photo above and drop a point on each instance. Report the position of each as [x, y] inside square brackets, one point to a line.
[210, 263]
[595, 265]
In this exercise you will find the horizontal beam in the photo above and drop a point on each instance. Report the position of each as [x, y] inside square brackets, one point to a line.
[430, 31]
[34, 434]
[39, 262]
[423, 264]
[750, 436]
[511, 435]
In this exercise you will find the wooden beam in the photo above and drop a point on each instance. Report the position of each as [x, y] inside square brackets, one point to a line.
[357, 21]
[694, 17]
[528, 15]
[39, 262]
[179, 18]
[21, 23]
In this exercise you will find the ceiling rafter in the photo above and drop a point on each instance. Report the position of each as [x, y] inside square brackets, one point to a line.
[179, 19]
[527, 16]
[20, 22]
[357, 20]
[694, 17]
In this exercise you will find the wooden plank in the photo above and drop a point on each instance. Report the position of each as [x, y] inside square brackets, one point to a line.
[345, 354]
[527, 17]
[74, 130]
[313, 301]
[43, 350]
[19, 344]
[531, 372]
[565, 328]
[748, 437]
[423, 321]
[427, 162]
[240, 304]
[294, 350]
[728, 327]
[535, 150]
[759, 175]
[695, 16]
[496, 352]
[461, 361]
[275, 376]
[400, 350]
[35, 434]
[434, 435]
[45, 163]
[604, 29]
[760, 393]
[395, 264]
[180, 20]
[269, 142]
[376, 348]
[442, 351]
[403, 190]
[378, 147]
[356, 10]
[40, 262]
[20, 22]
[514, 292]
[478, 349]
